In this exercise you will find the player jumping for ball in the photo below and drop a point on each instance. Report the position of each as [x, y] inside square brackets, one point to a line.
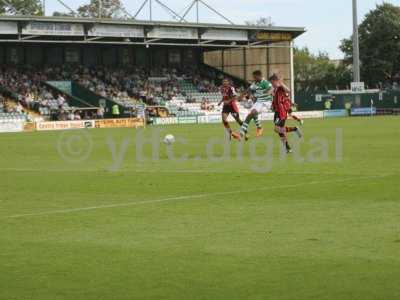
[281, 105]
[290, 104]
[229, 97]
[261, 91]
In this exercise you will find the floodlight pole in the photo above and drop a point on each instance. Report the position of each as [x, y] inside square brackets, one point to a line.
[44, 7]
[356, 46]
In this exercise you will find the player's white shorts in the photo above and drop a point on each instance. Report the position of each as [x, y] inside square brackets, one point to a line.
[258, 106]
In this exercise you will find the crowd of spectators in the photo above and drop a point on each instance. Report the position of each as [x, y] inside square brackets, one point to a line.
[4, 105]
[206, 84]
[26, 86]
[130, 84]
[11, 111]
[126, 86]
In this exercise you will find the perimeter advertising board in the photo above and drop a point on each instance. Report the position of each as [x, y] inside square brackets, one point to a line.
[165, 121]
[120, 123]
[17, 126]
[64, 125]
[314, 114]
[334, 113]
[363, 111]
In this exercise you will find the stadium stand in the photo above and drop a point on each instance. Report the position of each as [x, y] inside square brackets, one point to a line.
[189, 93]
[9, 113]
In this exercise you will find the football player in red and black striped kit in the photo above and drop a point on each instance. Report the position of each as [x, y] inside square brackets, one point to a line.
[229, 97]
[282, 106]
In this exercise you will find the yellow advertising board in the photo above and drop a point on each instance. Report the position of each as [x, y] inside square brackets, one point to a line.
[120, 123]
[29, 127]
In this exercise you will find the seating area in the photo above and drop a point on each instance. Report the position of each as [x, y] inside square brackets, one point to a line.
[8, 114]
[192, 92]
[50, 105]
[26, 86]
[12, 117]
[129, 87]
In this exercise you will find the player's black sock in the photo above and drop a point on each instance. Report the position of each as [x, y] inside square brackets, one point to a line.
[288, 146]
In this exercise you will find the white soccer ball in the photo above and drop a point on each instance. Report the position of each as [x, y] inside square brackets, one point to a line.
[169, 139]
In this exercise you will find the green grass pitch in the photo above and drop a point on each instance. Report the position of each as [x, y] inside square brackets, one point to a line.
[324, 224]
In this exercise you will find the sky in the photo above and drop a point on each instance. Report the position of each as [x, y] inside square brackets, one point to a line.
[327, 21]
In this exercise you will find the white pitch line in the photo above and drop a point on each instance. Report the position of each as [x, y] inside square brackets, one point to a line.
[90, 208]
[183, 171]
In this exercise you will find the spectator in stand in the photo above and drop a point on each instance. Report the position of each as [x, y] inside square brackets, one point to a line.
[204, 104]
[87, 115]
[29, 100]
[60, 100]
[19, 108]
[71, 116]
[77, 115]
[100, 112]
[63, 115]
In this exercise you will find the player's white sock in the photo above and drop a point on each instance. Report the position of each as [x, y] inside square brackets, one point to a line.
[257, 121]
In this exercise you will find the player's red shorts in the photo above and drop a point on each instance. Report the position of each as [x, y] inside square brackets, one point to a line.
[230, 108]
